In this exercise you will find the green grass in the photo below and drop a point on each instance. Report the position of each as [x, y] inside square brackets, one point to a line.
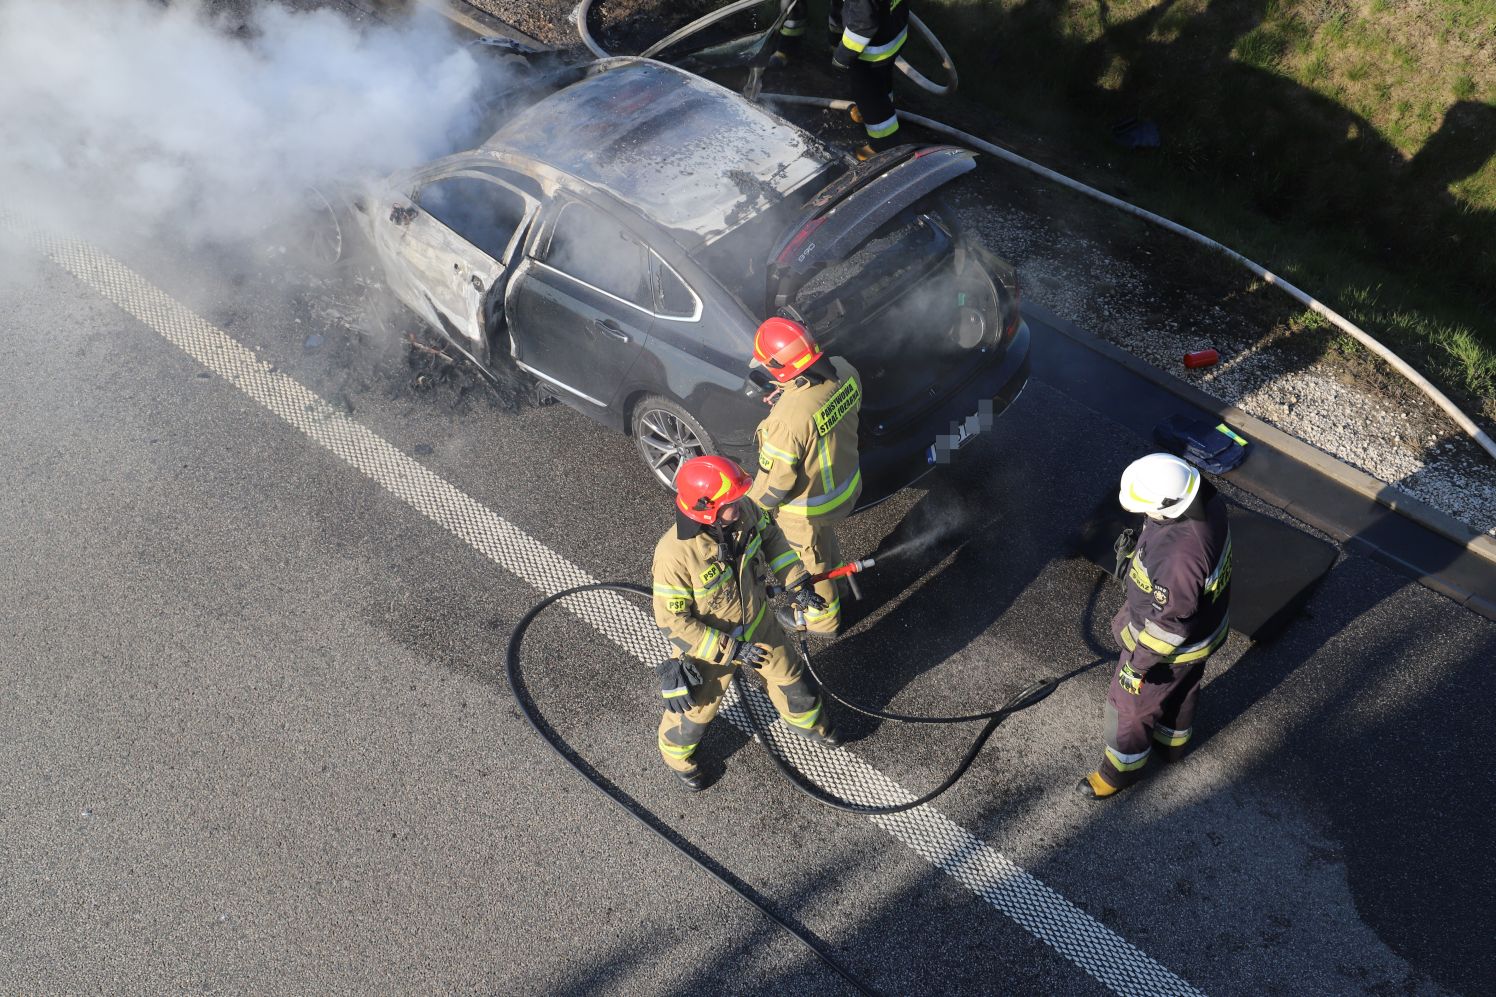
[1352, 145]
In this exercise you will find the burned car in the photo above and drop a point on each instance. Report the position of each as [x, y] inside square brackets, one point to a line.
[621, 238]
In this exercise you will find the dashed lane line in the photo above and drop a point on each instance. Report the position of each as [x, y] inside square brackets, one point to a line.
[987, 873]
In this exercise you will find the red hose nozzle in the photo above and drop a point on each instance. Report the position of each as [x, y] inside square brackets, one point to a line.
[850, 568]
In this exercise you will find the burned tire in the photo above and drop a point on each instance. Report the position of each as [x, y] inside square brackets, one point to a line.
[320, 238]
[666, 435]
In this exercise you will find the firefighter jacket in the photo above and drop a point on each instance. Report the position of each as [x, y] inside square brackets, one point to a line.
[1178, 587]
[807, 448]
[874, 29]
[709, 596]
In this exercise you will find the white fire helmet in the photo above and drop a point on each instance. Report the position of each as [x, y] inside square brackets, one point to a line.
[1160, 484]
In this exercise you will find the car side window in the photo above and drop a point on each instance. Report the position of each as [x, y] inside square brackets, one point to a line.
[483, 212]
[591, 247]
[676, 299]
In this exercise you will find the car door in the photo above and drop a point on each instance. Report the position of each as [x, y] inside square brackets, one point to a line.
[579, 306]
[458, 234]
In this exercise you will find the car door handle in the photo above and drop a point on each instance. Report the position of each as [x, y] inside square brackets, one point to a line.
[608, 327]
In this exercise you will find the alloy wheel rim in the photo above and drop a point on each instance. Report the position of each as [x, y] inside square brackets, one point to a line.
[667, 442]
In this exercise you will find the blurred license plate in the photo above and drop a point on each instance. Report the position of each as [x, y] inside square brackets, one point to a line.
[966, 431]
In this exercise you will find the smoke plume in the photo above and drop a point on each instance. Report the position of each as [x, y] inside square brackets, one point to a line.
[134, 115]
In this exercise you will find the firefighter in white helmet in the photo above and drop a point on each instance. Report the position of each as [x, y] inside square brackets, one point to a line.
[1178, 591]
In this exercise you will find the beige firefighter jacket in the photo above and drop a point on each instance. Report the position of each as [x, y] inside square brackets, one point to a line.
[807, 448]
[706, 604]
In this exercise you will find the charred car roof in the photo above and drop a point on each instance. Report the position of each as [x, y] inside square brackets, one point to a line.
[692, 156]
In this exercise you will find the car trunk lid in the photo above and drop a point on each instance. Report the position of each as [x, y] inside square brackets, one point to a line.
[886, 280]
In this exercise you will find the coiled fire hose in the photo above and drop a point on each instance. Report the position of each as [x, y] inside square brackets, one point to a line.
[1025, 698]
[628, 804]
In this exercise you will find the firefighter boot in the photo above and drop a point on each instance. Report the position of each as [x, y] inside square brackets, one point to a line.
[831, 738]
[1094, 787]
[692, 778]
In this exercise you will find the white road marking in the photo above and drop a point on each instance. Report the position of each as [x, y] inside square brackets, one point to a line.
[1042, 911]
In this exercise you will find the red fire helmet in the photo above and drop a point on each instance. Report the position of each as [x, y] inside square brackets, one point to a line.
[785, 348]
[703, 485]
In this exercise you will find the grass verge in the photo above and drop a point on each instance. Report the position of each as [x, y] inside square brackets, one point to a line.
[1349, 145]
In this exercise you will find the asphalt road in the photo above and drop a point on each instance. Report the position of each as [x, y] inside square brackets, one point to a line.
[259, 739]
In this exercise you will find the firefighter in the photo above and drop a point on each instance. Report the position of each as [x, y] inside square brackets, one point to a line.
[808, 476]
[792, 30]
[865, 36]
[1178, 591]
[711, 601]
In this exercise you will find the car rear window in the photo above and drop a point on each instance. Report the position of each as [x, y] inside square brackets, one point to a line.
[676, 299]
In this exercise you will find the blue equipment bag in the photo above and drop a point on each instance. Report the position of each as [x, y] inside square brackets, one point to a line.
[1215, 448]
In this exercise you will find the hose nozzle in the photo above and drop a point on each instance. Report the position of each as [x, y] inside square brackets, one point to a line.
[850, 568]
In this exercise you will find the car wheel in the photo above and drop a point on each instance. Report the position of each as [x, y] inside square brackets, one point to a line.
[319, 237]
[667, 436]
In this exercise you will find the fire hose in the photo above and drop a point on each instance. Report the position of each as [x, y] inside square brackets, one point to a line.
[1025, 698]
[628, 804]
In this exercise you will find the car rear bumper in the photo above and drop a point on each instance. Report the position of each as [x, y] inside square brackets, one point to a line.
[896, 462]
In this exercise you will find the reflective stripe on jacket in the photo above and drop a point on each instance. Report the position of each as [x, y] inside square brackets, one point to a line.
[1178, 588]
[807, 448]
[698, 600]
[874, 29]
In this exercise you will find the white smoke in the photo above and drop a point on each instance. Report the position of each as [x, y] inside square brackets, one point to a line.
[130, 113]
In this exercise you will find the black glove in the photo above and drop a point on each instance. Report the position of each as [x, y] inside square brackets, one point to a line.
[843, 58]
[677, 676]
[774, 589]
[1125, 544]
[807, 599]
[751, 655]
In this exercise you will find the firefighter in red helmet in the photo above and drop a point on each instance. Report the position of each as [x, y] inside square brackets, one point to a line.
[711, 570]
[808, 475]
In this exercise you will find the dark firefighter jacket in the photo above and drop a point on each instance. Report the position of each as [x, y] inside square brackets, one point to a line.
[708, 597]
[1178, 587]
[875, 29]
[807, 448]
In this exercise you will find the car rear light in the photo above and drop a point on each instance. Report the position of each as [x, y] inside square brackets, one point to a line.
[789, 251]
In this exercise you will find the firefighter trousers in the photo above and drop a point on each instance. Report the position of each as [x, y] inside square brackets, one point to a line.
[793, 693]
[1148, 711]
[871, 84]
[816, 544]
